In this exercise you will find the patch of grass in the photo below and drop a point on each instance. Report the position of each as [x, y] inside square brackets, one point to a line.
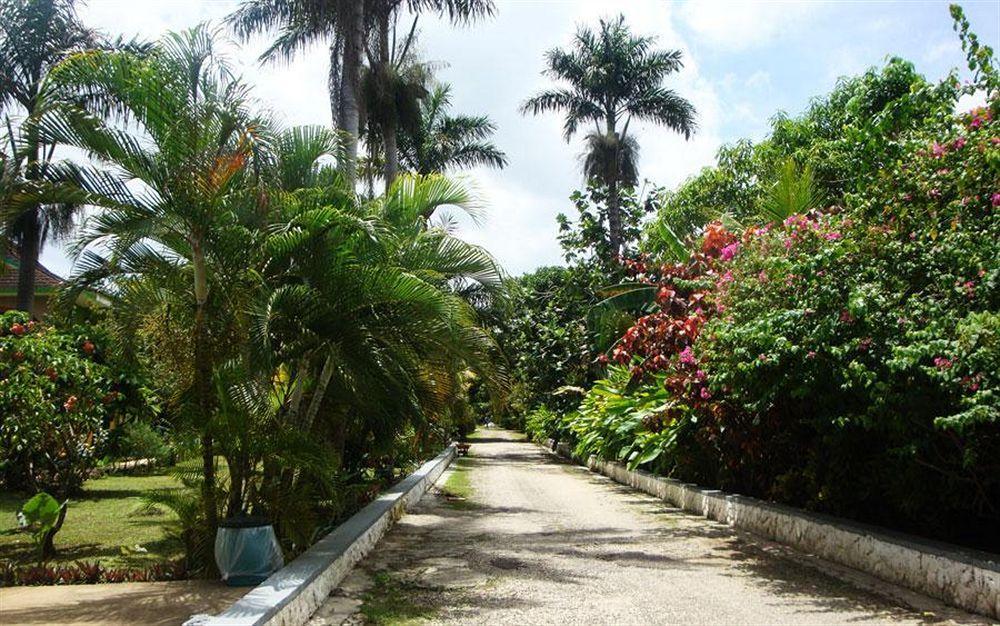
[457, 488]
[106, 522]
[393, 601]
[484, 433]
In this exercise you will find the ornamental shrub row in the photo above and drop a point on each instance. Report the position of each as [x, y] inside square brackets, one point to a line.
[845, 360]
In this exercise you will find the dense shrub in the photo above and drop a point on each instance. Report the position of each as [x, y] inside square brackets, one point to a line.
[846, 359]
[55, 398]
[140, 440]
[858, 352]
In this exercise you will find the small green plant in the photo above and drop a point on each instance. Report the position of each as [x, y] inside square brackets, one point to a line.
[43, 516]
[139, 440]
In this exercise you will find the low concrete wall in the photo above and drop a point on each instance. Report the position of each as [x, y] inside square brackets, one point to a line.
[292, 594]
[964, 578]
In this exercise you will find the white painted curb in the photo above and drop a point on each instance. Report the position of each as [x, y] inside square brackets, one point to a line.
[292, 594]
[968, 579]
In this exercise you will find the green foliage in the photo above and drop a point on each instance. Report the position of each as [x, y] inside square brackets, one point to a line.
[621, 421]
[58, 394]
[543, 423]
[794, 192]
[43, 516]
[842, 142]
[139, 440]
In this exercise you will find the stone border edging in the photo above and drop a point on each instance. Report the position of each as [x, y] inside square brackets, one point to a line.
[292, 594]
[967, 579]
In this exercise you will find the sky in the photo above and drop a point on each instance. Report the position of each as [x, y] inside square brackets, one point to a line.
[743, 63]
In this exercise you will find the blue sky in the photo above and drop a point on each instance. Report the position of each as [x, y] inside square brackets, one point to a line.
[744, 62]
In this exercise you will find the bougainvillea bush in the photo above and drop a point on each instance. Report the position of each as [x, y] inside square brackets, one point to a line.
[857, 356]
[845, 360]
[57, 399]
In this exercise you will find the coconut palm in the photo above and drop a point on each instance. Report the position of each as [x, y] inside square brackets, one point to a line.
[391, 62]
[611, 77]
[347, 25]
[170, 230]
[301, 23]
[34, 36]
[443, 142]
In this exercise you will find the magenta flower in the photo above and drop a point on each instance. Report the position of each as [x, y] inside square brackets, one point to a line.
[959, 143]
[687, 356]
[937, 150]
[729, 251]
[832, 236]
[995, 199]
[942, 363]
[705, 393]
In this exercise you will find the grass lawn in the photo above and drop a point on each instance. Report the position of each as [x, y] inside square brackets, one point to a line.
[104, 523]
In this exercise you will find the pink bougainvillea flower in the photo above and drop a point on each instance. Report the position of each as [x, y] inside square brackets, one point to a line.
[958, 144]
[705, 393]
[832, 236]
[995, 200]
[729, 251]
[687, 356]
[942, 363]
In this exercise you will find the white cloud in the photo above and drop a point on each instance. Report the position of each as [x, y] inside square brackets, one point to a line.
[949, 50]
[758, 80]
[741, 25]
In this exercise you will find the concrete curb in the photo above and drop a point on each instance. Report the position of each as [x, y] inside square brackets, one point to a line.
[968, 579]
[292, 594]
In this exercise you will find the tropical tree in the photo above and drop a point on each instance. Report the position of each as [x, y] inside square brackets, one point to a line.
[302, 23]
[392, 67]
[34, 36]
[442, 141]
[611, 77]
[170, 234]
[349, 25]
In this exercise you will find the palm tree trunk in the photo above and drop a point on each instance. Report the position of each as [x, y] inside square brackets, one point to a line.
[28, 250]
[614, 199]
[350, 85]
[614, 219]
[30, 243]
[317, 398]
[203, 385]
[389, 142]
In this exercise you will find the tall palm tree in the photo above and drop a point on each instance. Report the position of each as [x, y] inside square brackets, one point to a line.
[442, 141]
[612, 76]
[169, 229]
[391, 57]
[34, 36]
[348, 25]
[301, 23]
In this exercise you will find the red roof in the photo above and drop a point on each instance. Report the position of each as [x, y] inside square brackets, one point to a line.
[44, 279]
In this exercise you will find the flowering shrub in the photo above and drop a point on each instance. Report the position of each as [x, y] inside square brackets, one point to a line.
[56, 400]
[845, 360]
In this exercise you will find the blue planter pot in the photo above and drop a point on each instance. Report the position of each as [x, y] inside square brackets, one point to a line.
[246, 551]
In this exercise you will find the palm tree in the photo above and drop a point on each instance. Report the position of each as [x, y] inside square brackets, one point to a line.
[169, 231]
[34, 36]
[301, 23]
[442, 141]
[612, 76]
[348, 25]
